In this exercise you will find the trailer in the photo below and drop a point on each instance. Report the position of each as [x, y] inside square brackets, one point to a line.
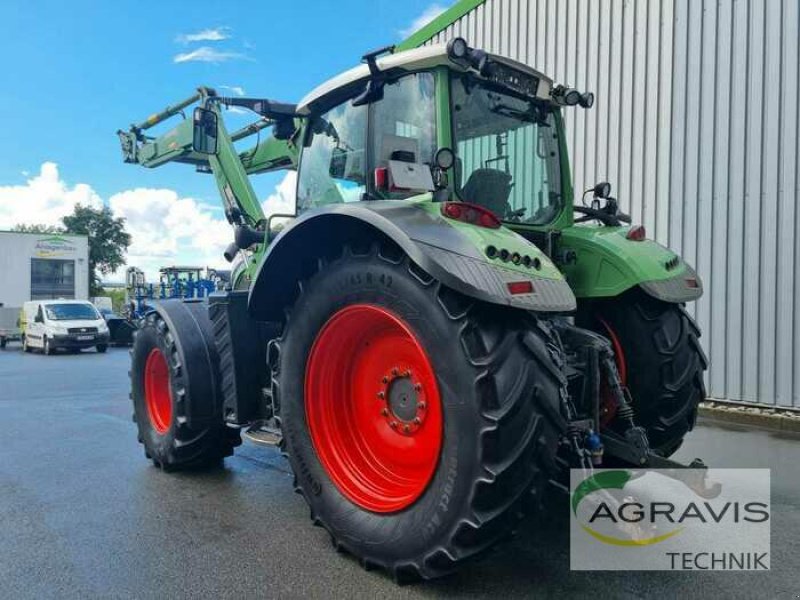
[10, 329]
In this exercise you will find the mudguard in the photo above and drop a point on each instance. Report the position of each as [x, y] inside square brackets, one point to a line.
[602, 262]
[453, 252]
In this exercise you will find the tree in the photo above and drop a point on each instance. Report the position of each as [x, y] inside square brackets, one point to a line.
[23, 228]
[108, 240]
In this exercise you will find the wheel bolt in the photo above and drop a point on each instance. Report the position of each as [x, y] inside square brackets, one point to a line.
[407, 373]
[381, 395]
[395, 371]
[385, 379]
[393, 424]
[421, 406]
[417, 420]
[385, 412]
[418, 386]
[406, 428]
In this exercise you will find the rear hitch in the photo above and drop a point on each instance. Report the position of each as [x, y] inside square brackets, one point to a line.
[591, 440]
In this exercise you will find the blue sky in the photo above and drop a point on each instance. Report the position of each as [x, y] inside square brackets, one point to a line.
[75, 72]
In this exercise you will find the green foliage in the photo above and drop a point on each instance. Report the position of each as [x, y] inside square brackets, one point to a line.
[117, 296]
[34, 228]
[108, 240]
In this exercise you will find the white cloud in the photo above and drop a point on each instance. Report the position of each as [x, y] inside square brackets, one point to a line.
[236, 89]
[43, 199]
[209, 55]
[212, 34]
[427, 15]
[282, 200]
[165, 228]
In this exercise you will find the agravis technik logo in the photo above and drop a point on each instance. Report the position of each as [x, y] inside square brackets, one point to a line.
[637, 519]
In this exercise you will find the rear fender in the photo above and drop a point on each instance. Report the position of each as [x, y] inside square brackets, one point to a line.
[451, 252]
[602, 262]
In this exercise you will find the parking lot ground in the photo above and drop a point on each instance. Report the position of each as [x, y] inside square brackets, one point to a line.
[83, 514]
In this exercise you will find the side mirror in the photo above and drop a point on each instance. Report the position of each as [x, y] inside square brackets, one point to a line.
[602, 190]
[38, 319]
[204, 139]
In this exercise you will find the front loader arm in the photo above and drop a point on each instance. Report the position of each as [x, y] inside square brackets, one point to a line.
[230, 168]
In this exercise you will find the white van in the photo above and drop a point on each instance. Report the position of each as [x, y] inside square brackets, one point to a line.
[71, 324]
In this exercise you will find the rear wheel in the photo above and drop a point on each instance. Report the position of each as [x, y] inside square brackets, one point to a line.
[174, 389]
[25, 346]
[101, 348]
[659, 358]
[415, 421]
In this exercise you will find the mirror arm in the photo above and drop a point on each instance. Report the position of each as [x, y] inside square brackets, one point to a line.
[268, 239]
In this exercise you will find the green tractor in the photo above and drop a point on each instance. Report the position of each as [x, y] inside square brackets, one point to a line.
[439, 332]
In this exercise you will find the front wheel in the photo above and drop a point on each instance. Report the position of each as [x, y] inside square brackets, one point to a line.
[101, 348]
[659, 358]
[47, 349]
[175, 389]
[25, 346]
[416, 422]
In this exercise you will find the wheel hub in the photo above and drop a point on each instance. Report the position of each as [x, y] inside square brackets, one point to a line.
[404, 404]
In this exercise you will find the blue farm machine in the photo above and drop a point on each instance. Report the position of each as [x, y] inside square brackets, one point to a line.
[175, 282]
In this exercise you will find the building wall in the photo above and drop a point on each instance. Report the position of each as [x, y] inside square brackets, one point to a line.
[696, 126]
[18, 249]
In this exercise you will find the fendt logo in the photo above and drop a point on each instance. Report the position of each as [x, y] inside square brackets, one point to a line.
[670, 519]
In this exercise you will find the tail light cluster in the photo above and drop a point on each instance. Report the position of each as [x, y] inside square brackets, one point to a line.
[637, 233]
[513, 257]
[470, 213]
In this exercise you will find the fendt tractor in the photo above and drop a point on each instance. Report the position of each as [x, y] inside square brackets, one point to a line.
[439, 332]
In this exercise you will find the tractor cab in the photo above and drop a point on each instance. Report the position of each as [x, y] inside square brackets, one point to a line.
[450, 121]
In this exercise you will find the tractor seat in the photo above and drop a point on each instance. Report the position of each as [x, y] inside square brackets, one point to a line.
[489, 188]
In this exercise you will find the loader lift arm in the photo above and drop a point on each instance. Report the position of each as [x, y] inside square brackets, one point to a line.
[230, 167]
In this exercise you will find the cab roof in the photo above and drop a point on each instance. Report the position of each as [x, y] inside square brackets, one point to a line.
[417, 59]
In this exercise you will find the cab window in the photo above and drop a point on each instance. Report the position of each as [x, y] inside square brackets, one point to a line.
[404, 125]
[333, 164]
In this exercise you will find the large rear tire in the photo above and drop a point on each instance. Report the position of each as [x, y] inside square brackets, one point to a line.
[175, 390]
[659, 358]
[416, 421]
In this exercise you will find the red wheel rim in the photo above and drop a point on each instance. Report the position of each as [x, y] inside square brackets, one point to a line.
[608, 405]
[373, 408]
[157, 392]
[619, 353]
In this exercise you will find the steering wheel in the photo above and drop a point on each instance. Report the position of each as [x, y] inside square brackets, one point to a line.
[606, 218]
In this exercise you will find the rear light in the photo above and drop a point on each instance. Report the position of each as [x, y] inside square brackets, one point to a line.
[692, 282]
[637, 233]
[520, 287]
[470, 213]
[381, 175]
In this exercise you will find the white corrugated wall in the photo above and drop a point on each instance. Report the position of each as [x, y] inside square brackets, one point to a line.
[696, 126]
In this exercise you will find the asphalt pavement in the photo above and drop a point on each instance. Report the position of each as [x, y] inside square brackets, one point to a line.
[84, 515]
